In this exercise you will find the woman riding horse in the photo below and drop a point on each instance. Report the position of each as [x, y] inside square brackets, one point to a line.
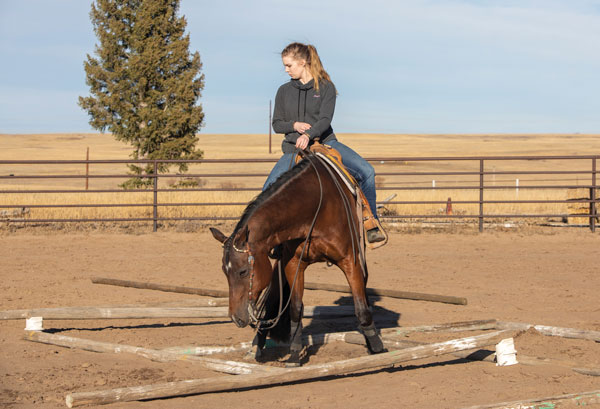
[323, 226]
[303, 111]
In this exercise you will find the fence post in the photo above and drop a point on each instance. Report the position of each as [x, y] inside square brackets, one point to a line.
[155, 201]
[270, 113]
[480, 195]
[593, 197]
[87, 168]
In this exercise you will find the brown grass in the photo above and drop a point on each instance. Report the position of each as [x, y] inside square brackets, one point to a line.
[103, 146]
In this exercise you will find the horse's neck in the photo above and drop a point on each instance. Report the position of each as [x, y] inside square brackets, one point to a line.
[273, 224]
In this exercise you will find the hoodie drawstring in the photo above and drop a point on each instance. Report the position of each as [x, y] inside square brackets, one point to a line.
[305, 97]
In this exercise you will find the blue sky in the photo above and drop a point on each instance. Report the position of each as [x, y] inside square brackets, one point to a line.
[414, 66]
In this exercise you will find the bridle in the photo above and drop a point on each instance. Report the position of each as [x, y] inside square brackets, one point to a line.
[256, 308]
[250, 265]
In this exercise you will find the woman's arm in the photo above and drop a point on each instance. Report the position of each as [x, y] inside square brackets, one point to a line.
[280, 125]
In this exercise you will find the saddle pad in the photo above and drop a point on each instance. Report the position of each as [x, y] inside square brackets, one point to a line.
[341, 170]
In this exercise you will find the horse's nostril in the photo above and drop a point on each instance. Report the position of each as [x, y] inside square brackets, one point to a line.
[237, 321]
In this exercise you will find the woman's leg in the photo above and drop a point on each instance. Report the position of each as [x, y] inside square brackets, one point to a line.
[283, 164]
[361, 170]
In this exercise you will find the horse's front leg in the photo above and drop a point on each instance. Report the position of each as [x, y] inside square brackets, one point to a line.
[355, 277]
[294, 272]
[258, 343]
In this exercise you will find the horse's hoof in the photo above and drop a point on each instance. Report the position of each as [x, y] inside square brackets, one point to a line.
[373, 339]
[253, 354]
[375, 344]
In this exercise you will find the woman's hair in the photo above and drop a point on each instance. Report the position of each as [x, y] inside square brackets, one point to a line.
[309, 53]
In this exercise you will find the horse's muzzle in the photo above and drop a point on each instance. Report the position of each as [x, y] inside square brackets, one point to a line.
[240, 322]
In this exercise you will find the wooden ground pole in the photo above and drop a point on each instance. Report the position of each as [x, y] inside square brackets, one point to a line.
[572, 333]
[98, 313]
[390, 293]
[219, 365]
[197, 386]
[160, 287]
[307, 285]
[572, 399]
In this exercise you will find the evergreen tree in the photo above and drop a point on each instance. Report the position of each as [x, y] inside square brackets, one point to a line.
[144, 83]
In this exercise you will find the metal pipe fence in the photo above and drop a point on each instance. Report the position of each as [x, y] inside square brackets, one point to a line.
[554, 173]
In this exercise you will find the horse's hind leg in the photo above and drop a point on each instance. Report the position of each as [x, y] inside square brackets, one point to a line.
[362, 310]
[296, 343]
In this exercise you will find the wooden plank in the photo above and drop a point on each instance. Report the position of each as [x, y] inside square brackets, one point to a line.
[219, 365]
[307, 285]
[49, 312]
[478, 355]
[86, 313]
[202, 350]
[160, 287]
[449, 327]
[324, 338]
[570, 400]
[393, 344]
[198, 302]
[390, 293]
[588, 371]
[572, 333]
[308, 340]
[197, 386]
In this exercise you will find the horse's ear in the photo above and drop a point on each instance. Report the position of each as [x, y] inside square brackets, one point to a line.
[241, 237]
[218, 235]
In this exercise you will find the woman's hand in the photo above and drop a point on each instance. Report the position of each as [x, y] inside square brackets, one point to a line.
[301, 127]
[302, 142]
[303, 139]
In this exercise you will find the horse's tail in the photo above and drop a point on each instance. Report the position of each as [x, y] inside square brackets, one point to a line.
[281, 330]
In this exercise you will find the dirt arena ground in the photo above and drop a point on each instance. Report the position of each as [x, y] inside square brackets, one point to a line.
[540, 276]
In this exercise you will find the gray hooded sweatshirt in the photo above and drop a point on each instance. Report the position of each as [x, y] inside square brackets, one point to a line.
[297, 102]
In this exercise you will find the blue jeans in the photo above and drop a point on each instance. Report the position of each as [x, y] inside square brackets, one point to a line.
[359, 168]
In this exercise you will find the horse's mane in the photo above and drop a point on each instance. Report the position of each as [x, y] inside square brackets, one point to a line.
[259, 200]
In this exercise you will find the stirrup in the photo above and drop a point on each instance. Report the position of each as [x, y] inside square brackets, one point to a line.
[375, 235]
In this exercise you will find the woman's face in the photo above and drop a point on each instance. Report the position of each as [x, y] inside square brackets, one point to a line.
[294, 66]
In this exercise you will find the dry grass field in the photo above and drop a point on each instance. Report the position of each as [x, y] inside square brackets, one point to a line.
[103, 146]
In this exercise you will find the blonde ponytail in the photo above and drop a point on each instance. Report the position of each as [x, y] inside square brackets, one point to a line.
[308, 52]
[316, 67]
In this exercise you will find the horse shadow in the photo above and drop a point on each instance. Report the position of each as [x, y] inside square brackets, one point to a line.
[321, 324]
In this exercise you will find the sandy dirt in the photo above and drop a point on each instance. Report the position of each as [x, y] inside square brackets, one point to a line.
[549, 277]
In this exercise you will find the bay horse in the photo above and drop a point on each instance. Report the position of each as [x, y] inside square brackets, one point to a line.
[312, 218]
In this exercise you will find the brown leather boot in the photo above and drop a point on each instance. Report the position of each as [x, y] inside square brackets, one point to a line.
[375, 235]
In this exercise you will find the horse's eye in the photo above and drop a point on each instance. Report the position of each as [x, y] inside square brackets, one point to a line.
[243, 273]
